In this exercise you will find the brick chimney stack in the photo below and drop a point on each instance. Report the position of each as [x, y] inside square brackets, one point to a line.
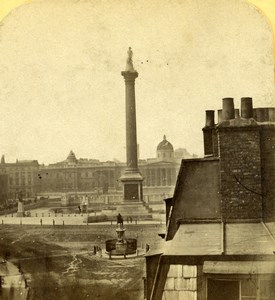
[240, 162]
[208, 132]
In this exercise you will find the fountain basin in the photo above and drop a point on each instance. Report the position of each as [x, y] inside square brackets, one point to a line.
[125, 247]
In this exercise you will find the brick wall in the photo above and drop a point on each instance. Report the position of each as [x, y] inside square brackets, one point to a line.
[240, 172]
[215, 142]
[208, 143]
[181, 283]
[268, 171]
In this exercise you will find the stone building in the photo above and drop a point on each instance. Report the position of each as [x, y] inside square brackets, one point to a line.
[219, 242]
[92, 177]
[78, 175]
[21, 176]
[3, 189]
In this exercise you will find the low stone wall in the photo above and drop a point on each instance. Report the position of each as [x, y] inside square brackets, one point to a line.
[131, 245]
[26, 208]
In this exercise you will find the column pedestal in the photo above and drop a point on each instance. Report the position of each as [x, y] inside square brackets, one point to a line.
[132, 186]
[121, 244]
[20, 210]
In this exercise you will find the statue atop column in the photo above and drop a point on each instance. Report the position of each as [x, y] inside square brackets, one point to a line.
[129, 62]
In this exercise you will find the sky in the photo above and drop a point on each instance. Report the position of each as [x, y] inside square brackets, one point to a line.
[60, 64]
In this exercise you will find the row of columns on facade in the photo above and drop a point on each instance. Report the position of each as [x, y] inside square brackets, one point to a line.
[73, 183]
[153, 177]
[159, 177]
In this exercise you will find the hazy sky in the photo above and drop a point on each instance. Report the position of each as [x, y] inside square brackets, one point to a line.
[60, 64]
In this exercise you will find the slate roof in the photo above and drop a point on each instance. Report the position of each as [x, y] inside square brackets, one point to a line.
[217, 239]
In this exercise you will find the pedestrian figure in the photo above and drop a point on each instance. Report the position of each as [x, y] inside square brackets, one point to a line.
[79, 208]
[53, 222]
[41, 222]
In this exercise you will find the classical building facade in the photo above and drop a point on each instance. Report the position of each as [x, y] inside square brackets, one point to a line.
[220, 241]
[90, 176]
[21, 176]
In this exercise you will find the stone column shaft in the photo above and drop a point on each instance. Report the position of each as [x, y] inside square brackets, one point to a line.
[131, 132]
[131, 179]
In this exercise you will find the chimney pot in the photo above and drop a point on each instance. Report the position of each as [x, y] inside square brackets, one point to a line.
[246, 108]
[228, 111]
[262, 114]
[210, 118]
[219, 115]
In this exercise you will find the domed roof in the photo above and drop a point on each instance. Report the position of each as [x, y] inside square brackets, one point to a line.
[71, 157]
[165, 145]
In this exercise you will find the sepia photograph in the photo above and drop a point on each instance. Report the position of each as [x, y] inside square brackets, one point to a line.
[137, 150]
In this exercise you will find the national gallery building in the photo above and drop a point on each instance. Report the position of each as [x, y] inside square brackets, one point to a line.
[92, 177]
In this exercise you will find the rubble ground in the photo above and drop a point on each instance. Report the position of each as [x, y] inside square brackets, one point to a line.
[59, 262]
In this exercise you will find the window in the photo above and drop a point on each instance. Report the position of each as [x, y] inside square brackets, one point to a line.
[243, 289]
[222, 289]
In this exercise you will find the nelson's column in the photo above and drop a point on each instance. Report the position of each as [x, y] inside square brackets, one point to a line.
[131, 179]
